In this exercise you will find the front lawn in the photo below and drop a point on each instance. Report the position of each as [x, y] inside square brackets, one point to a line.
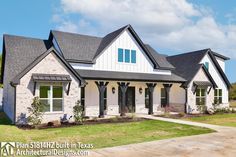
[232, 104]
[227, 119]
[101, 135]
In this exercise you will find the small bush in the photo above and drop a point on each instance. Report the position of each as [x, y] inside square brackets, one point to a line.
[78, 113]
[36, 112]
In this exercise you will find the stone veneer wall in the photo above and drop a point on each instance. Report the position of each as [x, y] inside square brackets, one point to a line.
[24, 91]
[191, 107]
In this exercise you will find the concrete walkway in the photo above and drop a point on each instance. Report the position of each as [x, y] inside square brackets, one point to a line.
[219, 144]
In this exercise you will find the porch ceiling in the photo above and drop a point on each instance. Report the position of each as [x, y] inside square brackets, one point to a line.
[128, 76]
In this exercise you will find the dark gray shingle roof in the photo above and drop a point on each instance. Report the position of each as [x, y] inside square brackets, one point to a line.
[188, 64]
[161, 59]
[127, 76]
[21, 51]
[76, 46]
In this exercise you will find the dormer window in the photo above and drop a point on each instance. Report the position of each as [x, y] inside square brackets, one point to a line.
[126, 55]
[206, 65]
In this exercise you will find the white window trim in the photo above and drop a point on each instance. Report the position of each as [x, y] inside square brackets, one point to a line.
[51, 97]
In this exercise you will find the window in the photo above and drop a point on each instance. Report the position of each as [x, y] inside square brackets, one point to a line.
[207, 65]
[82, 97]
[163, 97]
[218, 96]
[127, 56]
[51, 97]
[201, 96]
[146, 98]
[133, 56]
[105, 99]
[120, 55]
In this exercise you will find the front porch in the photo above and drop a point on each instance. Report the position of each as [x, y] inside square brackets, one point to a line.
[101, 98]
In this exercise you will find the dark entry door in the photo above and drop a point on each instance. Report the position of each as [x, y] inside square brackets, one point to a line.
[130, 100]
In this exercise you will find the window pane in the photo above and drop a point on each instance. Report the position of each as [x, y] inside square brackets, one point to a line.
[215, 92]
[57, 91]
[220, 92]
[133, 56]
[44, 92]
[197, 101]
[163, 92]
[146, 98]
[127, 56]
[198, 92]
[120, 55]
[200, 101]
[207, 65]
[46, 105]
[220, 100]
[57, 105]
[163, 101]
[203, 92]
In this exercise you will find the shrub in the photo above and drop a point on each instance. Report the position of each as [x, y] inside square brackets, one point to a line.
[202, 108]
[36, 112]
[78, 113]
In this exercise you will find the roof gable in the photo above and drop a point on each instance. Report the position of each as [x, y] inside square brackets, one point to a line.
[86, 49]
[16, 80]
[76, 47]
[187, 64]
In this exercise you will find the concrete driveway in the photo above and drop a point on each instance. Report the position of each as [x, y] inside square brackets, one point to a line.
[219, 144]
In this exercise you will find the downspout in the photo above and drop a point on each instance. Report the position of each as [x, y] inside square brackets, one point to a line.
[186, 100]
[14, 116]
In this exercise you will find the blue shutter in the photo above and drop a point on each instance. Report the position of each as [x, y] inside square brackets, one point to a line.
[133, 56]
[127, 56]
[120, 55]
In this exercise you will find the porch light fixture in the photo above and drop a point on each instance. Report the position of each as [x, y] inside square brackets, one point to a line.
[140, 90]
[113, 90]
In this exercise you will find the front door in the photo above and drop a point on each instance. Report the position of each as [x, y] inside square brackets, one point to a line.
[130, 100]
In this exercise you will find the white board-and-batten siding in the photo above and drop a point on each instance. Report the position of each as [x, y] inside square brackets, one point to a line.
[108, 59]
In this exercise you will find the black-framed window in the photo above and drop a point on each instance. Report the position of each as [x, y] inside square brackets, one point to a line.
[51, 96]
[82, 97]
[146, 98]
[200, 96]
[218, 96]
[163, 97]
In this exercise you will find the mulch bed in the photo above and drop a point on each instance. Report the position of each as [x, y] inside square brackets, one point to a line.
[86, 122]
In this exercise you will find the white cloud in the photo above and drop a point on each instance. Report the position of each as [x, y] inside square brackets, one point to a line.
[176, 25]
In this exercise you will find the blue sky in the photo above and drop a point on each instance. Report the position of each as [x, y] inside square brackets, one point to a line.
[170, 27]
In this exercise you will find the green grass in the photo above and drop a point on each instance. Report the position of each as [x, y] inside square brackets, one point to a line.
[101, 135]
[233, 104]
[217, 119]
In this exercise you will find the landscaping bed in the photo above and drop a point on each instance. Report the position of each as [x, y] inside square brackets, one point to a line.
[93, 121]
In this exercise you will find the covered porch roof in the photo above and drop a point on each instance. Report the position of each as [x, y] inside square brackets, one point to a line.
[128, 76]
